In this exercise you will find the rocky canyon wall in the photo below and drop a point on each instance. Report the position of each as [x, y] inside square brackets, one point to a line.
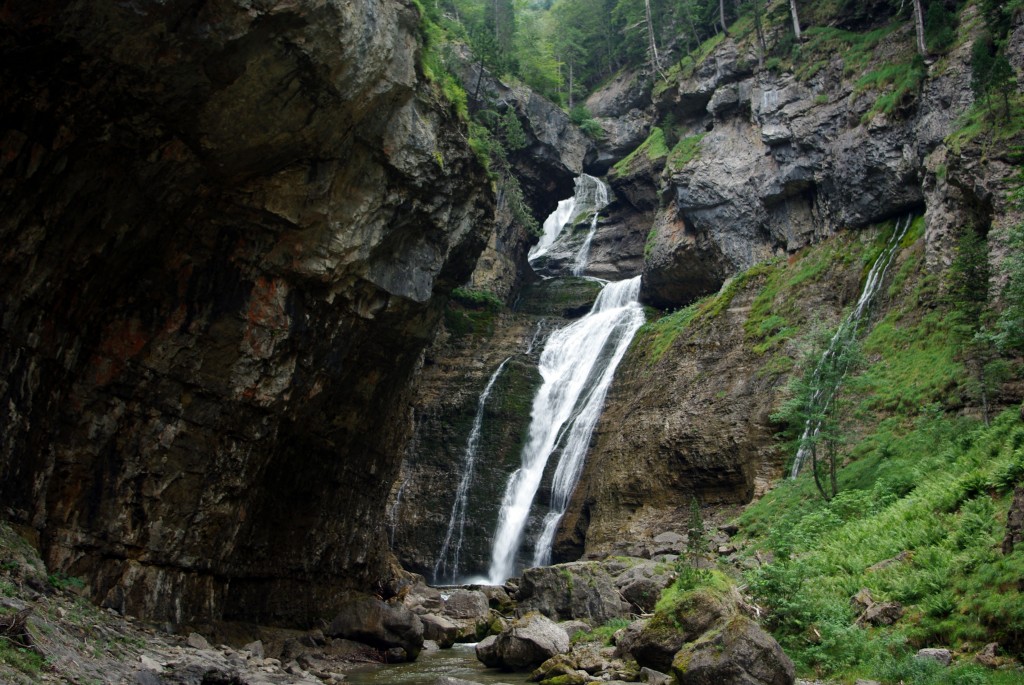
[760, 165]
[228, 230]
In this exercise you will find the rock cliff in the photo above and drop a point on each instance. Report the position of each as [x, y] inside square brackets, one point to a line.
[228, 232]
[762, 164]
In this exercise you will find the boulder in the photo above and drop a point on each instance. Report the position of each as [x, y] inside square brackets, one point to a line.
[465, 604]
[882, 614]
[197, 641]
[439, 629]
[739, 653]
[573, 627]
[383, 625]
[938, 655]
[652, 677]
[988, 656]
[580, 590]
[642, 584]
[527, 643]
[626, 638]
[695, 613]
[487, 651]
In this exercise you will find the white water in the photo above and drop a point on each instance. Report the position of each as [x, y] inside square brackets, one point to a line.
[452, 545]
[553, 226]
[591, 195]
[600, 202]
[847, 332]
[577, 366]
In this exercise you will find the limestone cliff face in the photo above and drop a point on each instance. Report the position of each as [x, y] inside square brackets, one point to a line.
[780, 162]
[228, 230]
[774, 164]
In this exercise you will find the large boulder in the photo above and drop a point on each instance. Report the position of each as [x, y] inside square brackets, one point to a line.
[738, 653]
[439, 629]
[381, 624]
[527, 643]
[583, 590]
[696, 612]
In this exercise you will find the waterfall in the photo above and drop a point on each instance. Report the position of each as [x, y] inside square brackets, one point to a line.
[553, 227]
[847, 332]
[392, 515]
[452, 545]
[591, 195]
[576, 366]
[600, 202]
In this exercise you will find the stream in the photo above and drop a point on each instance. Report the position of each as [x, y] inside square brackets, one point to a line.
[458, 662]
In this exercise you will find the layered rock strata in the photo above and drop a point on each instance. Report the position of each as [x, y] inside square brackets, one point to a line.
[228, 232]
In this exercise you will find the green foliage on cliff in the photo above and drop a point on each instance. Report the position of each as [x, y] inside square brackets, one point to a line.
[923, 493]
[653, 148]
[472, 312]
[685, 151]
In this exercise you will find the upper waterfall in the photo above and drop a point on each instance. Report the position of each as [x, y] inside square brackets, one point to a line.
[591, 196]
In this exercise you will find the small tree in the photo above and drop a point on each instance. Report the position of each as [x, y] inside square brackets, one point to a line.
[816, 403]
[968, 298]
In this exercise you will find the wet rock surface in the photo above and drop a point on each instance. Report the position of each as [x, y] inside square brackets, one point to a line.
[228, 238]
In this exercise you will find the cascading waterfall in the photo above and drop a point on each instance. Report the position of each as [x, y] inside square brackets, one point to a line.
[591, 196]
[600, 202]
[452, 545]
[553, 226]
[822, 396]
[577, 366]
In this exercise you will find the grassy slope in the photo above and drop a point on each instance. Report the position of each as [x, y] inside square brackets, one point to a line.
[918, 477]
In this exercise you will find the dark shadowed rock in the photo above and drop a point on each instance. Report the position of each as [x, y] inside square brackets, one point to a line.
[381, 624]
[242, 222]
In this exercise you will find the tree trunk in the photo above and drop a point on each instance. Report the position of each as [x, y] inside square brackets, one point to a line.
[721, 16]
[796, 21]
[570, 85]
[814, 470]
[922, 49]
[761, 48]
[655, 60]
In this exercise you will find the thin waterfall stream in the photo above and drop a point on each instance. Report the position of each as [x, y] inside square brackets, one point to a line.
[600, 202]
[846, 333]
[453, 537]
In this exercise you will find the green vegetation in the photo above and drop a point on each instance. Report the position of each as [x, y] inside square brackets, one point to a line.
[478, 299]
[603, 634]
[685, 151]
[24, 659]
[928, 497]
[472, 312]
[899, 84]
[653, 147]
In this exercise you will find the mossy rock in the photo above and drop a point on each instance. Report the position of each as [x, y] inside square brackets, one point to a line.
[737, 652]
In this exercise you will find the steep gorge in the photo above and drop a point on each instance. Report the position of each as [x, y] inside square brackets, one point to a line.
[231, 230]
